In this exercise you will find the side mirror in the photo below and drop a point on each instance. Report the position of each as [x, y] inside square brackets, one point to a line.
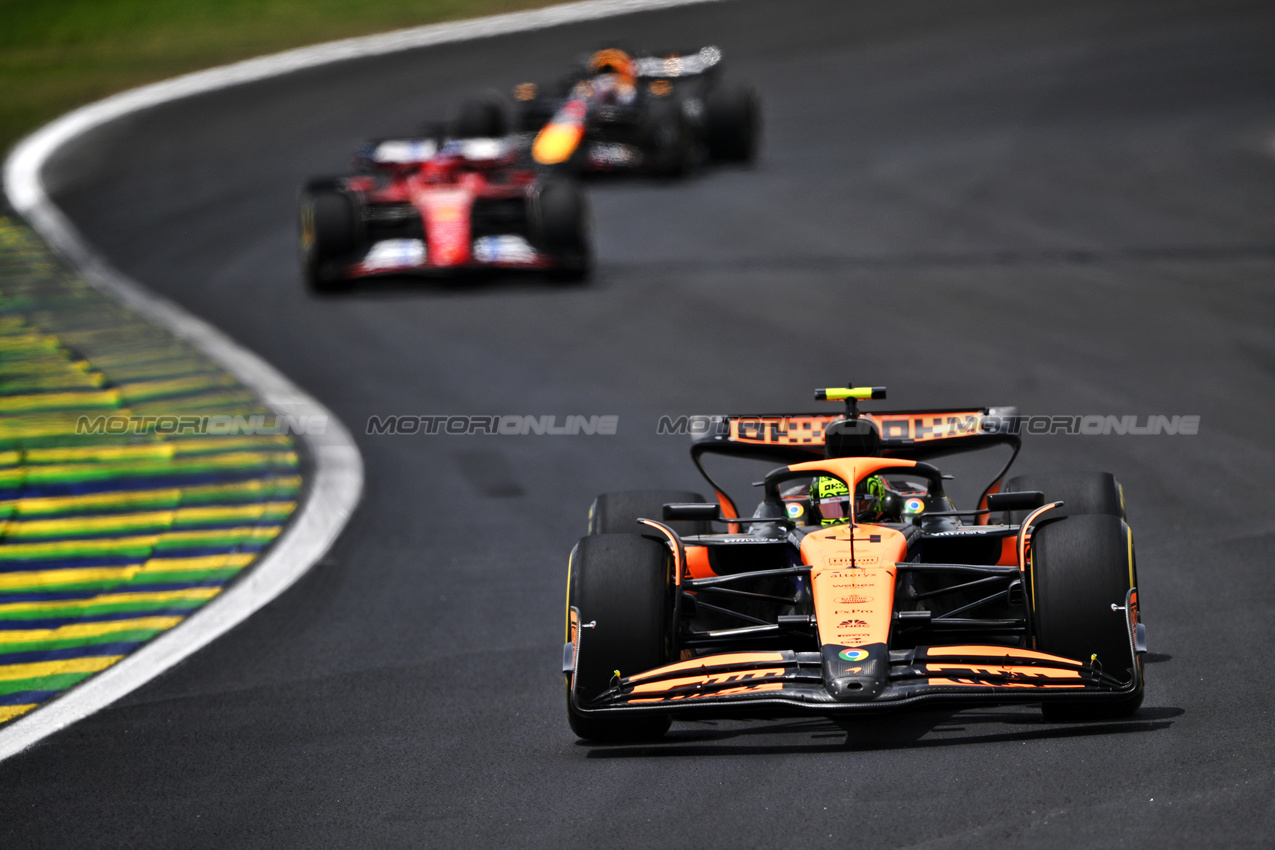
[691, 510]
[1026, 500]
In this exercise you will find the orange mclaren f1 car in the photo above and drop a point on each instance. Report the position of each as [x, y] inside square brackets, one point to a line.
[856, 585]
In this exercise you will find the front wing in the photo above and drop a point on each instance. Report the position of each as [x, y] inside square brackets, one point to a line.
[786, 682]
[412, 256]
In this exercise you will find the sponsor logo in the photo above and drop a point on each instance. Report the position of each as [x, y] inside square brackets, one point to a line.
[853, 599]
[852, 654]
[395, 254]
[931, 427]
[795, 510]
[447, 214]
[852, 624]
[503, 249]
[847, 561]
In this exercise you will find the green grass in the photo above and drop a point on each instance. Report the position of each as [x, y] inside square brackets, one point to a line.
[56, 55]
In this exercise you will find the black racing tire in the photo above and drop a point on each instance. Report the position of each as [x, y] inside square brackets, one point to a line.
[620, 586]
[480, 118]
[732, 123]
[668, 139]
[329, 231]
[561, 224]
[1081, 566]
[1081, 493]
[617, 513]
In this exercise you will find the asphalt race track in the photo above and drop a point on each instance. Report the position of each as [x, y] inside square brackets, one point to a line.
[1068, 207]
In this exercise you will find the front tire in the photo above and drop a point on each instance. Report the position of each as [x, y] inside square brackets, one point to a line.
[1080, 567]
[620, 586]
[732, 123]
[669, 140]
[480, 118]
[329, 233]
[561, 226]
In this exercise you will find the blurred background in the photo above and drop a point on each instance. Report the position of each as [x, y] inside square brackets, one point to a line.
[56, 55]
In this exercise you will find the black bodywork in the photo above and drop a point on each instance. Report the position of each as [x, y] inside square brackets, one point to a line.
[683, 113]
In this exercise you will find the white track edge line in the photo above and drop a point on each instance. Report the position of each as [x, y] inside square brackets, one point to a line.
[336, 484]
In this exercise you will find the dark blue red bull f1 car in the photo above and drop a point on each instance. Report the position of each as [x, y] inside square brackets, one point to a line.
[663, 114]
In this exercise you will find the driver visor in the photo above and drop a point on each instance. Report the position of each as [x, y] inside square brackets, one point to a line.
[834, 507]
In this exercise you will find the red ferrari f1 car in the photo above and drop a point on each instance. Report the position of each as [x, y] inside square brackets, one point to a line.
[660, 114]
[429, 206]
[856, 586]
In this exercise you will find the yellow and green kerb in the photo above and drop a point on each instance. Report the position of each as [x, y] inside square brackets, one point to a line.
[108, 539]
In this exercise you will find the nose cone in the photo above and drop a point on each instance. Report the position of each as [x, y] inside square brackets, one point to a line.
[855, 688]
[855, 673]
[556, 143]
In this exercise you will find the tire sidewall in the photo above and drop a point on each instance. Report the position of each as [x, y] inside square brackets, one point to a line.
[1080, 567]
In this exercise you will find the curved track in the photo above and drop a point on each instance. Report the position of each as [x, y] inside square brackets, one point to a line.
[1066, 208]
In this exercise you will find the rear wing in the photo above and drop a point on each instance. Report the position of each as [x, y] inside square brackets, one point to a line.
[909, 434]
[387, 153]
[788, 438]
[674, 65]
[404, 151]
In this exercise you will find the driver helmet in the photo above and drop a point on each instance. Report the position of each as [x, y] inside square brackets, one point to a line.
[614, 62]
[874, 501]
[829, 500]
[877, 501]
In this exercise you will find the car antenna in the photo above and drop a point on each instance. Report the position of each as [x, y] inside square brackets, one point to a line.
[851, 395]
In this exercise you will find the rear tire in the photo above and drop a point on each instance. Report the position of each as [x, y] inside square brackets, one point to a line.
[732, 123]
[617, 513]
[531, 116]
[329, 232]
[480, 118]
[620, 583]
[1080, 566]
[1081, 493]
[669, 142]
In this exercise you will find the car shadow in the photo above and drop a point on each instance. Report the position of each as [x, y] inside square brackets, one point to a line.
[922, 729]
[450, 285]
